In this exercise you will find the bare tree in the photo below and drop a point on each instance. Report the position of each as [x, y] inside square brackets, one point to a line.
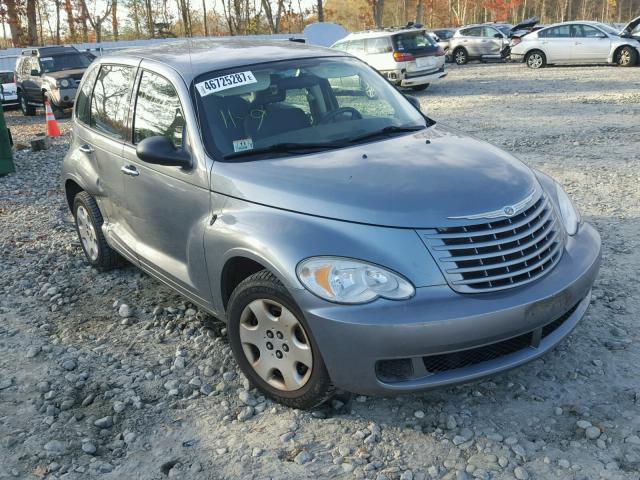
[96, 21]
[274, 23]
[32, 23]
[114, 19]
[320, 11]
[378, 12]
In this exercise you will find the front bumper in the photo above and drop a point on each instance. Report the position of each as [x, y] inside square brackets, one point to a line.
[64, 97]
[356, 340]
[10, 100]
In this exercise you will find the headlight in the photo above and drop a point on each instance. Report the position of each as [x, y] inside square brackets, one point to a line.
[64, 83]
[570, 214]
[343, 280]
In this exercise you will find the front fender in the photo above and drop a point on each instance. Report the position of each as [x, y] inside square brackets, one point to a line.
[280, 239]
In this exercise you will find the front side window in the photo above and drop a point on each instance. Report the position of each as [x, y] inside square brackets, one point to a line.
[586, 31]
[472, 32]
[110, 102]
[83, 102]
[158, 110]
[490, 32]
[320, 101]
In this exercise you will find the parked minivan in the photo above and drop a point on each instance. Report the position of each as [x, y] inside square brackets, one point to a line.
[407, 57]
[348, 241]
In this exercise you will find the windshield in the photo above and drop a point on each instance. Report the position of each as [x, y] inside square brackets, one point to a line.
[318, 101]
[506, 29]
[609, 29]
[6, 77]
[57, 63]
[410, 42]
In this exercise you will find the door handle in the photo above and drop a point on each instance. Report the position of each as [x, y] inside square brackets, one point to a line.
[130, 170]
[578, 43]
[86, 148]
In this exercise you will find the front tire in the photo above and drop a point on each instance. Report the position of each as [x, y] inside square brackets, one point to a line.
[536, 59]
[272, 343]
[626, 57]
[89, 222]
[460, 56]
[27, 110]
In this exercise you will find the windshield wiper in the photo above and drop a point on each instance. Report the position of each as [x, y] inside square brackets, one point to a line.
[386, 131]
[285, 148]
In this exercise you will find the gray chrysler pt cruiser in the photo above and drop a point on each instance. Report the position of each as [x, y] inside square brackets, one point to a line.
[345, 238]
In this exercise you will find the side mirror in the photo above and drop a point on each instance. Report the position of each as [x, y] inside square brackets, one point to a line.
[413, 101]
[35, 73]
[161, 151]
[498, 35]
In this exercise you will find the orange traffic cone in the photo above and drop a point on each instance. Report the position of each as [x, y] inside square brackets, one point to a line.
[52, 126]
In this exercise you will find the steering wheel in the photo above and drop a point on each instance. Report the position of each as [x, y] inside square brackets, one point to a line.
[331, 116]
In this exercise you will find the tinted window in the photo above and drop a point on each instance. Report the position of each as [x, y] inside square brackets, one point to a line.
[158, 110]
[472, 32]
[83, 102]
[110, 102]
[563, 31]
[6, 77]
[443, 34]
[489, 32]
[413, 41]
[57, 63]
[586, 31]
[378, 45]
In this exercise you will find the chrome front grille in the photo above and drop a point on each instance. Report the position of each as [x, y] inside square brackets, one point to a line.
[500, 254]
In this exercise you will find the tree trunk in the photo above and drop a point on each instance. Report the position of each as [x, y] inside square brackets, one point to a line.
[378, 10]
[320, 11]
[204, 18]
[114, 19]
[32, 23]
[57, 5]
[70, 20]
[419, 11]
[149, 14]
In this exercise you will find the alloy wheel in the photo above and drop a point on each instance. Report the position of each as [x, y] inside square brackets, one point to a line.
[461, 57]
[87, 233]
[534, 60]
[624, 58]
[276, 345]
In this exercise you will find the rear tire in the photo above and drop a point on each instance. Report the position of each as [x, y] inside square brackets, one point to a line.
[88, 220]
[626, 57]
[535, 59]
[272, 343]
[27, 110]
[419, 88]
[460, 56]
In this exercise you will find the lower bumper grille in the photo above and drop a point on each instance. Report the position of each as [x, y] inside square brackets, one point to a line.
[400, 369]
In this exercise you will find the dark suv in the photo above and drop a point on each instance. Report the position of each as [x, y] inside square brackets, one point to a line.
[49, 73]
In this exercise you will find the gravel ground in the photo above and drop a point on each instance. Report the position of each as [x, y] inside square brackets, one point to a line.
[115, 376]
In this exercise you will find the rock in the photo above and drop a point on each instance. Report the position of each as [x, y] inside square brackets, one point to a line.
[90, 448]
[564, 463]
[105, 422]
[33, 351]
[287, 437]
[303, 457]
[451, 423]
[558, 411]
[633, 439]
[418, 414]
[406, 475]
[245, 414]
[55, 447]
[246, 398]
[129, 438]
[69, 364]
[6, 383]
[124, 311]
[592, 433]
[520, 473]
[119, 406]
[583, 424]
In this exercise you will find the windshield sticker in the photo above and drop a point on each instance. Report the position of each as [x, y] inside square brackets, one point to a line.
[46, 59]
[242, 145]
[225, 82]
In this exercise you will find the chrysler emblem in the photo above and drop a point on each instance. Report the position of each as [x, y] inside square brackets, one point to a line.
[508, 211]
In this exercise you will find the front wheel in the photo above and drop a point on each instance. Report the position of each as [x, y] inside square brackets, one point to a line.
[626, 57]
[272, 343]
[27, 110]
[535, 59]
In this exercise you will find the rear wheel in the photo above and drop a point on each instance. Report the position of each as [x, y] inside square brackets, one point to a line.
[27, 110]
[535, 59]
[272, 343]
[460, 56]
[419, 88]
[626, 57]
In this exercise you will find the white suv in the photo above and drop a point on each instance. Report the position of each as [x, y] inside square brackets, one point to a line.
[407, 57]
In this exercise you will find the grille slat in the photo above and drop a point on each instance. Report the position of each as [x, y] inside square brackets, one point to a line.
[502, 253]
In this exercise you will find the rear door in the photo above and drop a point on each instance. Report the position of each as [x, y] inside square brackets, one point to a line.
[103, 141]
[591, 45]
[557, 43]
[168, 208]
[472, 41]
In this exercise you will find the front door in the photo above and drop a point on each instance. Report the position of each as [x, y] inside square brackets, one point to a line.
[590, 44]
[168, 208]
[557, 44]
[492, 42]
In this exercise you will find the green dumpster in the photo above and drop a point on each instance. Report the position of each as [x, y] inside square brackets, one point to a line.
[6, 157]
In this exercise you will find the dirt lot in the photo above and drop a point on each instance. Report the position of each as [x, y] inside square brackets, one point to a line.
[89, 388]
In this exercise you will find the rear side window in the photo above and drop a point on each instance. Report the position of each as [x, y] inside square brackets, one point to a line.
[158, 110]
[356, 46]
[6, 77]
[378, 45]
[472, 32]
[110, 102]
[83, 102]
[562, 31]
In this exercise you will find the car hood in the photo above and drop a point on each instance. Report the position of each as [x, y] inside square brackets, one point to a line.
[413, 181]
[78, 72]
[630, 27]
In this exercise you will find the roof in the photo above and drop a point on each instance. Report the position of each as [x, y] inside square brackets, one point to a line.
[381, 33]
[191, 58]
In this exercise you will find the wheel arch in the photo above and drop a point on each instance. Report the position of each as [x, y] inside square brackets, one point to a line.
[71, 189]
[235, 270]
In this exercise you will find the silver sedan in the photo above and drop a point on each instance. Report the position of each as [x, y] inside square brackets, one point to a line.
[576, 43]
